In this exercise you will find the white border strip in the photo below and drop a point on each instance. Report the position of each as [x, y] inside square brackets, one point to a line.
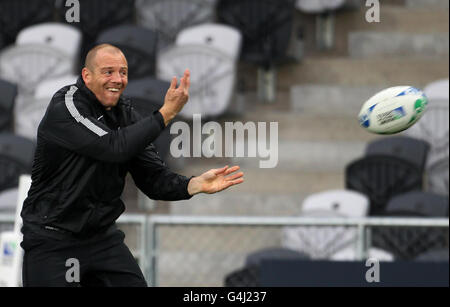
[77, 116]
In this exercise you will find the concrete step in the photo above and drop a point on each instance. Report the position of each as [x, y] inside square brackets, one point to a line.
[385, 72]
[430, 4]
[365, 44]
[307, 121]
[393, 18]
[309, 156]
[332, 100]
[414, 19]
[263, 193]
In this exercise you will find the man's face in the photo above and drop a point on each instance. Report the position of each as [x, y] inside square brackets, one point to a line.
[107, 77]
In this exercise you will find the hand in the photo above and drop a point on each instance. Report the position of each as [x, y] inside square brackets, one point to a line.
[215, 180]
[176, 98]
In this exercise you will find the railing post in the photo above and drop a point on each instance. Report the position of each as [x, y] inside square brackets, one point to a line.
[360, 242]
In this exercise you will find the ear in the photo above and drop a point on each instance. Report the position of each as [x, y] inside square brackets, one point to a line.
[86, 74]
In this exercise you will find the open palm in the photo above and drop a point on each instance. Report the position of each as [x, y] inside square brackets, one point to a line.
[217, 180]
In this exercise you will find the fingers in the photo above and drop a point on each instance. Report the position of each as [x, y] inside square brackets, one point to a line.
[234, 182]
[220, 170]
[173, 84]
[232, 170]
[186, 80]
[235, 176]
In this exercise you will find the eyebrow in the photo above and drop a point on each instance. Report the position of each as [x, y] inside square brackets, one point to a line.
[103, 68]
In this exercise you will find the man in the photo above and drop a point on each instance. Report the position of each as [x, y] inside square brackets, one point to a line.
[88, 140]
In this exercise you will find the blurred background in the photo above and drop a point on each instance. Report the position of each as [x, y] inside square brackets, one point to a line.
[308, 65]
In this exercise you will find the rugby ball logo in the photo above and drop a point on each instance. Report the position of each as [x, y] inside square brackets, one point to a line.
[393, 110]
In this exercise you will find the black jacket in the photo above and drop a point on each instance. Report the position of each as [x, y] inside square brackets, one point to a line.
[82, 157]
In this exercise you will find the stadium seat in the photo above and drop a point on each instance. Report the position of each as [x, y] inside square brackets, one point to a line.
[33, 108]
[249, 275]
[16, 15]
[382, 177]
[280, 253]
[322, 242]
[58, 35]
[223, 37]
[97, 16]
[433, 127]
[410, 149]
[213, 75]
[318, 6]
[139, 46]
[325, 18]
[266, 34]
[349, 254]
[16, 157]
[434, 255]
[2, 42]
[169, 17]
[147, 96]
[243, 277]
[419, 204]
[8, 93]
[337, 203]
[28, 65]
[437, 177]
[17, 154]
[406, 243]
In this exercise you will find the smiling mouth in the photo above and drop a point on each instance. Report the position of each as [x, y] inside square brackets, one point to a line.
[113, 90]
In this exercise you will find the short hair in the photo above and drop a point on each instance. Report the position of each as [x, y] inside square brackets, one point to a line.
[90, 57]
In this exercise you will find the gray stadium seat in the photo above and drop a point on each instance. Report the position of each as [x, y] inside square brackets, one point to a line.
[382, 177]
[407, 243]
[433, 127]
[434, 255]
[437, 177]
[410, 149]
[18, 14]
[213, 75]
[2, 42]
[322, 242]
[16, 158]
[147, 96]
[139, 46]
[28, 65]
[418, 203]
[249, 275]
[97, 16]
[266, 34]
[255, 258]
[8, 92]
[319, 6]
[223, 37]
[32, 108]
[169, 17]
[58, 35]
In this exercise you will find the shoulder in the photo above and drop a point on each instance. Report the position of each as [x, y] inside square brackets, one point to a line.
[67, 101]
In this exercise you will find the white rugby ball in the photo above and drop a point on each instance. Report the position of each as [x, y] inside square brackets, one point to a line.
[393, 110]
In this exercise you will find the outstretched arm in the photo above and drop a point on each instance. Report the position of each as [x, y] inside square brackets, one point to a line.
[215, 180]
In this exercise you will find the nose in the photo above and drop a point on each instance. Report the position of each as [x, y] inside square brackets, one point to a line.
[116, 77]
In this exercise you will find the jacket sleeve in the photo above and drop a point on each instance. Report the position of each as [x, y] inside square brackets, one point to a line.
[155, 179]
[68, 123]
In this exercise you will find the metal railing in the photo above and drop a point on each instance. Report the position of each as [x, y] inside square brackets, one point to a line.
[202, 251]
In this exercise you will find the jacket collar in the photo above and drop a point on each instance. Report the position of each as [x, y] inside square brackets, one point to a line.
[90, 95]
